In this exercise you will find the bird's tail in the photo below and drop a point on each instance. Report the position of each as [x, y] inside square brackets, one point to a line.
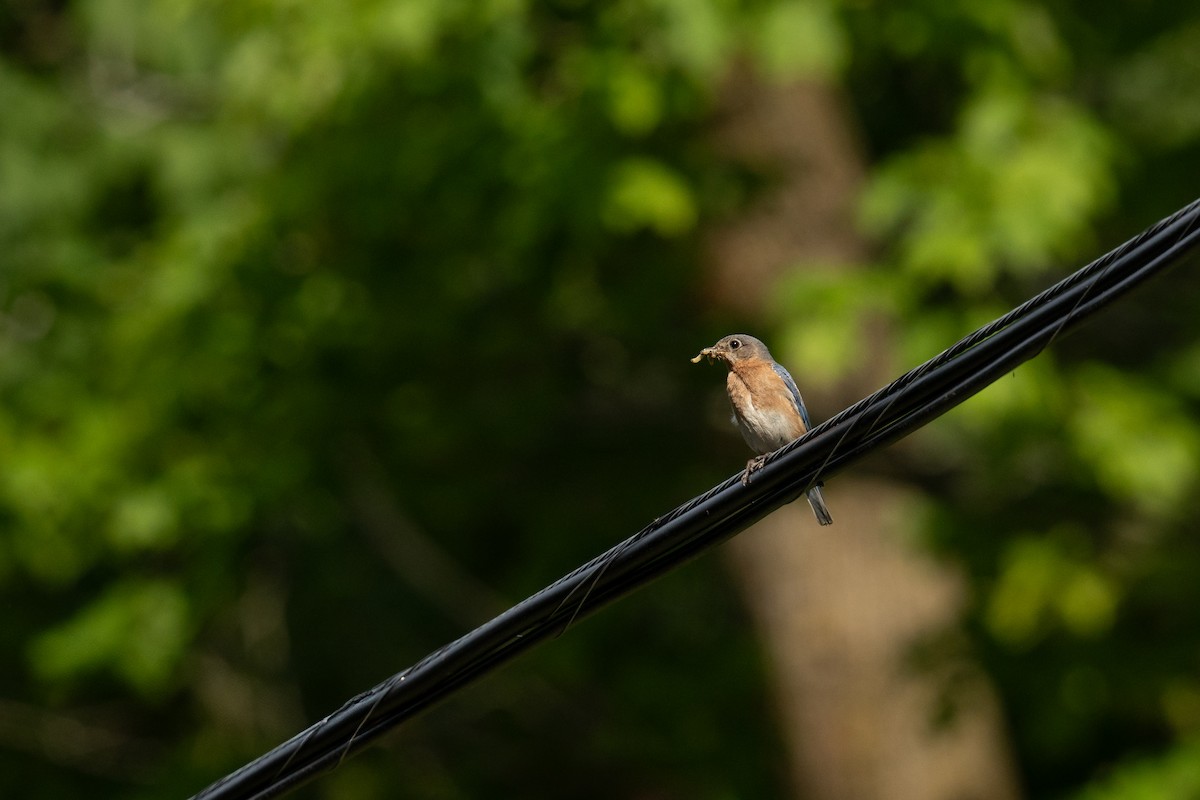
[817, 501]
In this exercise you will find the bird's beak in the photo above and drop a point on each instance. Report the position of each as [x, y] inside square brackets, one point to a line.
[707, 352]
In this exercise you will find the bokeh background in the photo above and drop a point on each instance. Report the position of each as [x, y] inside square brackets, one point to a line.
[328, 329]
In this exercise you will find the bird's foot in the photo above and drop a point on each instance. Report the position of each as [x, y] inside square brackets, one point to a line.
[752, 466]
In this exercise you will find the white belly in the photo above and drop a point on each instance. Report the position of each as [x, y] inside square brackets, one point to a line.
[764, 431]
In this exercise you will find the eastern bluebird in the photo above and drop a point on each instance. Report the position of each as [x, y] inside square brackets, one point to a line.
[767, 407]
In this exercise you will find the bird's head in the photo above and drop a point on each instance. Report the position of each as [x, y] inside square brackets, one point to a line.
[733, 348]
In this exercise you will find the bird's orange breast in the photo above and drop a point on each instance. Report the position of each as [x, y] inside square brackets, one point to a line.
[763, 406]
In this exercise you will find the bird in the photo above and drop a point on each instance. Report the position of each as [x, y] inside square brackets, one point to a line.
[767, 406]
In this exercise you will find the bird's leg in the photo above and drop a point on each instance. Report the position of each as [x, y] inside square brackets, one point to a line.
[753, 465]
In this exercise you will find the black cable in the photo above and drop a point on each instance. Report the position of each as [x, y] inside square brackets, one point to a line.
[894, 411]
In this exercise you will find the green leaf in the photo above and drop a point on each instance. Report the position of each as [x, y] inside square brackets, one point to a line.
[799, 39]
[645, 193]
[137, 631]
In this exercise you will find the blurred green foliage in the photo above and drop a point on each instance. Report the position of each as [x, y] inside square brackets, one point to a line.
[257, 256]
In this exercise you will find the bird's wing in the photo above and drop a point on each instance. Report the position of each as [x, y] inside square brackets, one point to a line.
[791, 385]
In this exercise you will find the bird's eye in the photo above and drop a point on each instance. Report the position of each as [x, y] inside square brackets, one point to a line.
[734, 344]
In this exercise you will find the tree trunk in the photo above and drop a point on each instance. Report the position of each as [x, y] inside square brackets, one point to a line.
[841, 607]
